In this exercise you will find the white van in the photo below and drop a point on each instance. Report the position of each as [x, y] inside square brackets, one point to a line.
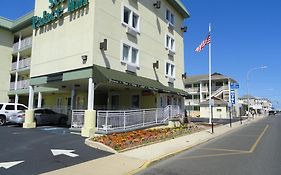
[8, 110]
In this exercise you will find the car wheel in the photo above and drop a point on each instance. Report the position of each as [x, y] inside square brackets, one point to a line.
[62, 121]
[2, 120]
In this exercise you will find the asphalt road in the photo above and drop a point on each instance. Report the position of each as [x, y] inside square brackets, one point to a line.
[33, 147]
[251, 150]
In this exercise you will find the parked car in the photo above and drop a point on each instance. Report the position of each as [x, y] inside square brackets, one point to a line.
[8, 110]
[42, 116]
[272, 112]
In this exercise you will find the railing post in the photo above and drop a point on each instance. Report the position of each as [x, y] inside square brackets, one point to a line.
[124, 115]
[106, 117]
[156, 115]
[143, 113]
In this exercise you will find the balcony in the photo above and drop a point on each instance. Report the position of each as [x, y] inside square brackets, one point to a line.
[24, 63]
[193, 90]
[23, 84]
[192, 102]
[25, 43]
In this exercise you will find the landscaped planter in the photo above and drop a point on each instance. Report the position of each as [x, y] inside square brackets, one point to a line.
[133, 139]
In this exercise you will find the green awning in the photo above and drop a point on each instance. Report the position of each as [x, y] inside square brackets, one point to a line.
[105, 75]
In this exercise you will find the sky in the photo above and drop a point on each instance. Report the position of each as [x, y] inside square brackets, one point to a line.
[245, 34]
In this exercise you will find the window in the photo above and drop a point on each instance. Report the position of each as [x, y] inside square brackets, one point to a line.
[126, 50]
[196, 85]
[170, 43]
[170, 17]
[196, 97]
[196, 108]
[20, 107]
[189, 97]
[130, 55]
[130, 18]
[1, 105]
[10, 107]
[188, 86]
[219, 110]
[170, 70]
[135, 101]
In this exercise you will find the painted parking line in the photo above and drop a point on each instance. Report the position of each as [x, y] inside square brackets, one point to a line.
[230, 151]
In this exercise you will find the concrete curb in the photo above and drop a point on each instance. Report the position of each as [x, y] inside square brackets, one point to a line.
[150, 162]
[99, 146]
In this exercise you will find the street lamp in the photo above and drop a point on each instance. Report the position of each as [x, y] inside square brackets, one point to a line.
[248, 73]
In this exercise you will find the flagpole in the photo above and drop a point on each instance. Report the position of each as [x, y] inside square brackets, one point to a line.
[210, 78]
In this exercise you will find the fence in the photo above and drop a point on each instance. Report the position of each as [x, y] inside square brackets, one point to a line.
[120, 121]
[77, 119]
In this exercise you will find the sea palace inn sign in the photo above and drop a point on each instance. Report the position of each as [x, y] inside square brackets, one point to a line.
[57, 10]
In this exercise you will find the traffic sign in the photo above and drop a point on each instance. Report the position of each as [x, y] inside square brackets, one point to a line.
[234, 86]
[232, 97]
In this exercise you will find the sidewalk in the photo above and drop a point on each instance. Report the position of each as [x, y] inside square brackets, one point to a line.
[132, 161]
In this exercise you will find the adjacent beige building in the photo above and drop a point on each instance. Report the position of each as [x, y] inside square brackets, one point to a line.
[197, 100]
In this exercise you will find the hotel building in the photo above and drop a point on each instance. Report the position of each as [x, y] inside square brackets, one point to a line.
[102, 54]
[197, 102]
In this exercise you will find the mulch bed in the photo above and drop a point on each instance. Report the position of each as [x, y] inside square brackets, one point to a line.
[133, 139]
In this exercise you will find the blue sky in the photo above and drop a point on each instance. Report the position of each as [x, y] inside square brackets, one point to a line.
[245, 34]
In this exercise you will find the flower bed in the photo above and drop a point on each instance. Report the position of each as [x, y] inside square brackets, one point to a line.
[132, 139]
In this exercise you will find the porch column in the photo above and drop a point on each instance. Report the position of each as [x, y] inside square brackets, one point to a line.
[17, 68]
[89, 127]
[200, 92]
[39, 103]
[29, 114]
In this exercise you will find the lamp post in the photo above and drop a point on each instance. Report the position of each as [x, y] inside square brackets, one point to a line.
[248, 74]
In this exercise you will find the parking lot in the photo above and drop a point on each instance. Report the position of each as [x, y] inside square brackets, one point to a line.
[40, 150]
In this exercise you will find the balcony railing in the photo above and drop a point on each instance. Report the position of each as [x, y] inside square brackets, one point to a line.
[195, 89]
[25, 43]
[23, 84]
[192, 102]
[22, 64]
[214, 88]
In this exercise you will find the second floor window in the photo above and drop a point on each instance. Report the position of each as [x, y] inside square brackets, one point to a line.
[170, 70]
[130, 18]
[130, 55]
[170, 43]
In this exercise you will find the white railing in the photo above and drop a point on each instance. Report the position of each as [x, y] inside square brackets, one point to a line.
[195, 89]
[219, 90]
[25, 43]
[205, 89]
[22, 63]
[77, 119]
[23, 84]
[119, 121]
[192, 102]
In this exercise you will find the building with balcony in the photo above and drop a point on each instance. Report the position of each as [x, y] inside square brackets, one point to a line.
[198, 88]
[124, 54]
[256, 104]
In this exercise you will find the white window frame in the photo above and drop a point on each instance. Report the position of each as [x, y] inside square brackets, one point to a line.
[169, 18]
[169, 46]
[130, 23]
[170, 75]
[131, 47]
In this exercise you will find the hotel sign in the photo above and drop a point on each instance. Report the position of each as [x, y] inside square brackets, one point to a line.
[58, 9]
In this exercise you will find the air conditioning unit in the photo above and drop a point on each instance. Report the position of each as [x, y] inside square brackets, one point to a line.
[131, 68]
[171, 53]
[171, 26]
[132, 32]
[171, 80]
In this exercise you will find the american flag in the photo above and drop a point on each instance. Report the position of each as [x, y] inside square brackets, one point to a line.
[203, 44]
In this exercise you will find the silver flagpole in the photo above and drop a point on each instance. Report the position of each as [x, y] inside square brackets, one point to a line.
[210, 78]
